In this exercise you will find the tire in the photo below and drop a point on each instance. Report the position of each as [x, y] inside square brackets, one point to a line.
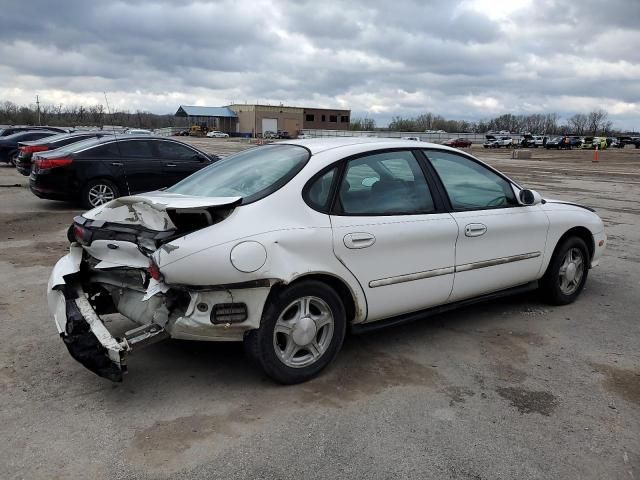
[562, 289]
[274, 346]
[13, 158]
[90, 196]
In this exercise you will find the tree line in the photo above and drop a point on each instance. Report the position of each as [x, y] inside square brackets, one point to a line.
[593, 123]
[77, 115]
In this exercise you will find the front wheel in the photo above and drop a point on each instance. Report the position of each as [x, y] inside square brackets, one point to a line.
[302, 330]
[567, 272]
[98, 192]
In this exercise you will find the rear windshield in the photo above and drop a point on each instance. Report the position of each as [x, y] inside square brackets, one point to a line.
[77, 146]
[252, 174]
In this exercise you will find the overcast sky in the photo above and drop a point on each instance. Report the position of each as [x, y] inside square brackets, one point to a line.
[468, 59]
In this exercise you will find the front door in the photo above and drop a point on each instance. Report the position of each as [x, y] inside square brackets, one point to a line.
[178, 161]
[500, 242]
[388, 231]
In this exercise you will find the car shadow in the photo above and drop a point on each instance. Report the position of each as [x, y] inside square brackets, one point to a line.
[195, 366]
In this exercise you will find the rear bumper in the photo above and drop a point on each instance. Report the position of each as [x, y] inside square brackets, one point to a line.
[80, 328]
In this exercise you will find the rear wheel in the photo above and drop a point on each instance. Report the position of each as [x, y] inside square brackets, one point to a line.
[98, 192]
[302, 330]
[567, 272]
[13, 158]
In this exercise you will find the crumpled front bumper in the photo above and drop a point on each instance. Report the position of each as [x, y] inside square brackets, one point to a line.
[82, 331]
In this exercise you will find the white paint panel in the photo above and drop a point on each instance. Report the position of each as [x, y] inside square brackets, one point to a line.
[510, 231]
[404, 245]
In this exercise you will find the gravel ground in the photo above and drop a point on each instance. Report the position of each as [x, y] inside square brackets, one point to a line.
[508, 389]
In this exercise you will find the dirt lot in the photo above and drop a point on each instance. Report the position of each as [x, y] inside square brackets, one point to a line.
[509, 389]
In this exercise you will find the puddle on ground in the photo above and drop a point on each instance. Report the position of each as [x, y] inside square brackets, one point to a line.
[623, 382]
[529, 401]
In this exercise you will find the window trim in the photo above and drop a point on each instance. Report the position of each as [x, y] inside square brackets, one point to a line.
[443, 191]
[439, 203]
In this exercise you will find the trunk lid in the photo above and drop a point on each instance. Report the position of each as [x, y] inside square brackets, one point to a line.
[148, 220]
[161, 211]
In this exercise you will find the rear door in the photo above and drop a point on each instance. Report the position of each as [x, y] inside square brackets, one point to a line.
[178, 161]
[390, 232]
[500, 242]
[142, 165]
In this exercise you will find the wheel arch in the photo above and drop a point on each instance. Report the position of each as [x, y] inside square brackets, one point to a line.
[581, 232]
[352, 309]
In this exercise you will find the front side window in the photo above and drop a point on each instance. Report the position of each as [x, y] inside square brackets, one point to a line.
[389, 183]
[251, 174]
[469, 185]
[175, 151]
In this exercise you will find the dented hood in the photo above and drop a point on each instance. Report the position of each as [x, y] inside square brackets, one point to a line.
[153, 210]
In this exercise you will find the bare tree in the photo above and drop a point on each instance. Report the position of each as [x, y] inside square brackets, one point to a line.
[597, 120]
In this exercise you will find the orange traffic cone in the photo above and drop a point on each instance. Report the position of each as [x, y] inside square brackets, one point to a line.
[596, 155]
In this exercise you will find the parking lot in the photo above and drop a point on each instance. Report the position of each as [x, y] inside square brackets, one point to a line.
[508, 389]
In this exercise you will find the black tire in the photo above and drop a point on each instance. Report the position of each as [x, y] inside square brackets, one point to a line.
[13, 158]
[86, 197]
[550, 284]
[260, 344]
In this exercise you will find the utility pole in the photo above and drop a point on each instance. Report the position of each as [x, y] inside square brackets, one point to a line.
[38, 104]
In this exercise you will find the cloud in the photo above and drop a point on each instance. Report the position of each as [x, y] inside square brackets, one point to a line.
[466, 59]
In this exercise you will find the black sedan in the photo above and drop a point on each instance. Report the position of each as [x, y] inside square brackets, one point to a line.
[27, 149]
[6, 130]
[96, 171]
[9, 144]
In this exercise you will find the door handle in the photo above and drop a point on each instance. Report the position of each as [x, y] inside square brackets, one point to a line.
[358, 240]
[475, 230]
[170, 165]
[117, 164]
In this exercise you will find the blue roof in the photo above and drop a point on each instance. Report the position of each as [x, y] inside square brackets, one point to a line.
[195, 111]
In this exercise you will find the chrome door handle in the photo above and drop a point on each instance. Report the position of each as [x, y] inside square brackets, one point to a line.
[171, 165]
[358, 240]
[475, 230]
[117, 164]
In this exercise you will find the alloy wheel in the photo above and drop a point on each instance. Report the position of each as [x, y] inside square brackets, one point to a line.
[303, 332]
[571, 271]
[100, 194]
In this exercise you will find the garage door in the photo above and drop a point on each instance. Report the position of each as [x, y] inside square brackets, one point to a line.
[269, 124]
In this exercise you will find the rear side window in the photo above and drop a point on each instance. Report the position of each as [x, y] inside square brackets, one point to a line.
[317, 195]
[106, 150]
[385, 184]
[470, 185]
[136, 148]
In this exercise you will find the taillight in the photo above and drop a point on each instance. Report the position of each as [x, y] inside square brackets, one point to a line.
[81, 234]
[33, 148]
[154, 271]
[46, 163]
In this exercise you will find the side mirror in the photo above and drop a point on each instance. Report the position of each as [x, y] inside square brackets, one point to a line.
[529, 197]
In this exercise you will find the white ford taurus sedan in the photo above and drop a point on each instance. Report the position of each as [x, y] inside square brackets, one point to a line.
[287, 246]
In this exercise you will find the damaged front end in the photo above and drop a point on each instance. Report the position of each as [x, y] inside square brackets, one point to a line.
[110, 269]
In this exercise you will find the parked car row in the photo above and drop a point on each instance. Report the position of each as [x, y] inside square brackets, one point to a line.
[92, 168]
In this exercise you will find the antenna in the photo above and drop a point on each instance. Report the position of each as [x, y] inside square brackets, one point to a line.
[124, 169]
[38, 104]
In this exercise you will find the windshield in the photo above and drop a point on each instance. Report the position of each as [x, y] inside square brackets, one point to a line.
[252, 174]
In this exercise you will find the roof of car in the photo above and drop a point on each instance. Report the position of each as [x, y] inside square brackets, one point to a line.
[317, 145]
